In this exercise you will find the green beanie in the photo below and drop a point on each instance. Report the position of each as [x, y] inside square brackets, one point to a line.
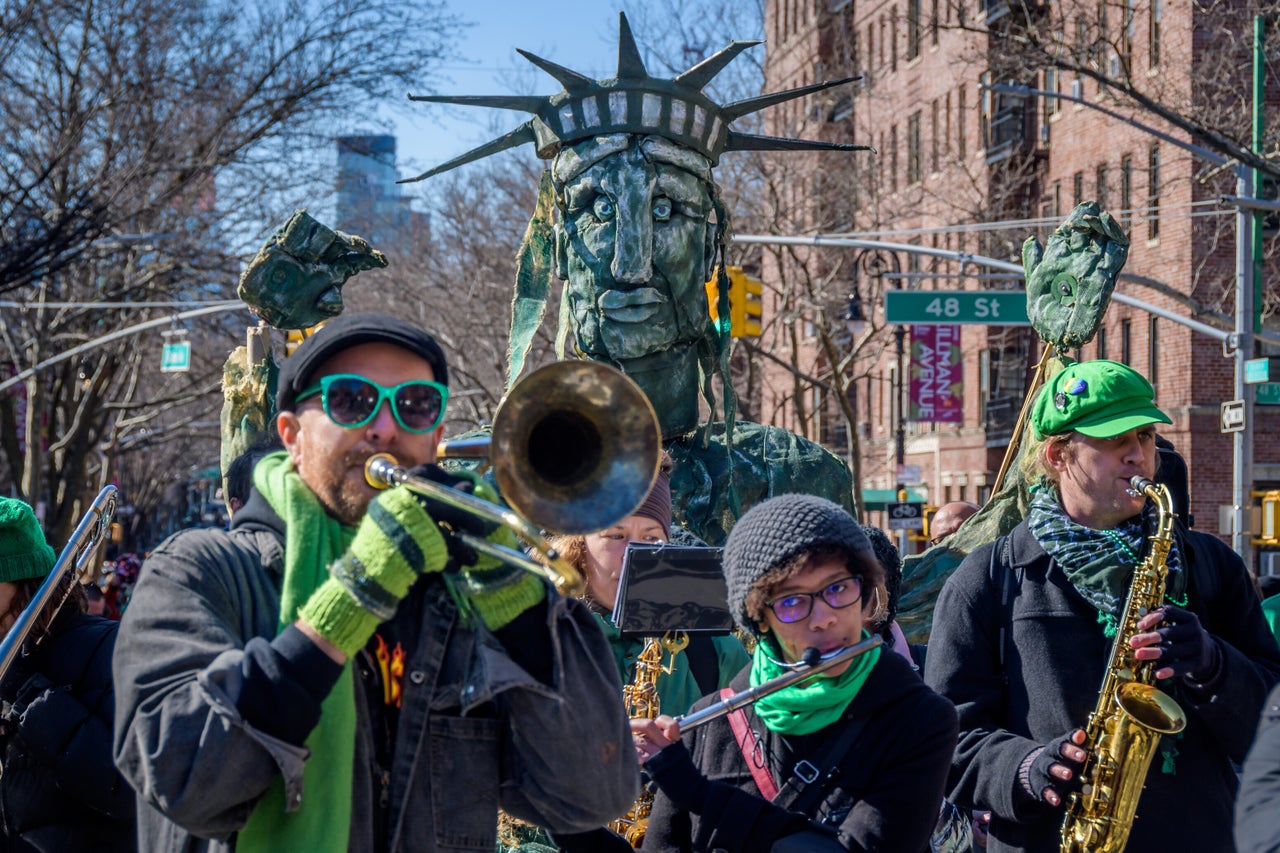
[23, 552]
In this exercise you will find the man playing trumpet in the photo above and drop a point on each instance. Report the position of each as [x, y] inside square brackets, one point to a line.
[335, 672]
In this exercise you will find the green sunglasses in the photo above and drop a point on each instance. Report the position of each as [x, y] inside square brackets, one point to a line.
[352, 401]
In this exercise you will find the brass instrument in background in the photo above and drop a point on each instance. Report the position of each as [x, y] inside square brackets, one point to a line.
[575, 448]
[76, 555]
[1131, 715]
[643, 703]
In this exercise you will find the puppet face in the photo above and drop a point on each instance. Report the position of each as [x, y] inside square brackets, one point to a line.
[636, 245]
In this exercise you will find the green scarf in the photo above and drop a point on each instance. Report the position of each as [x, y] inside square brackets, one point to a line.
[1099, 563]
[811, 705]
[313, 541]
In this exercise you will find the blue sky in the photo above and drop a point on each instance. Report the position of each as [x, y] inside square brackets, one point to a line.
[580, 34]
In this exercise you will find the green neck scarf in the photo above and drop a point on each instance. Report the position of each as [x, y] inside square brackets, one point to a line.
[811, 705]
[313, 541]
[1099, 563]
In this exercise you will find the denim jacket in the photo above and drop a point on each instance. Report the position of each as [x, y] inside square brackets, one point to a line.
[476, 731]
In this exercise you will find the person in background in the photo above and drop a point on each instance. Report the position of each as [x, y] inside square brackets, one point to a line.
[239, 477]
[704, 666]
[95, 601]
[708, 663]
[854, 759]
[1023, 632]
[948, 518]
[59, 790]
[1257, 828]
[333, 672]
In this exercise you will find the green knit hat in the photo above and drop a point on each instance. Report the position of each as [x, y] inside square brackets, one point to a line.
[23, 552]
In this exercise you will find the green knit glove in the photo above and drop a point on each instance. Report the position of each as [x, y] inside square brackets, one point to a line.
[394, 545]
[498, 592]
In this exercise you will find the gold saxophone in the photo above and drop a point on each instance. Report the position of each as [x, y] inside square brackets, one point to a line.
[643, 703]
[1131, 714]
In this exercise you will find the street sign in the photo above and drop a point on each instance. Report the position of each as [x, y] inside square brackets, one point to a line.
[905, 516]
[909, 475]
[985, 307]
[1268, 394]
[176, 357]
[1261, 370]
[1233, 416]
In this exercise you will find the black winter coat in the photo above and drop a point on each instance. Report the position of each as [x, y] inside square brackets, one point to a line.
[60, 790]
[884, 795]
[1056, 654]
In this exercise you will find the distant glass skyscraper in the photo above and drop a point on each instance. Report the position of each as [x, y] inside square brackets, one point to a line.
[370, 203]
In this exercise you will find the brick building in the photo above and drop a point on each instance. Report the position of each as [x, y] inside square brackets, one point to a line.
[962, 169]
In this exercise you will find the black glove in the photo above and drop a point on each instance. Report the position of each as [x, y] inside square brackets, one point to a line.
[678, 777]
[1185, 646]
[1034, 774]
[458, 520]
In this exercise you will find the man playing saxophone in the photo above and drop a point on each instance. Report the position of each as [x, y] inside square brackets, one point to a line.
[334, 673]
[1024, 631]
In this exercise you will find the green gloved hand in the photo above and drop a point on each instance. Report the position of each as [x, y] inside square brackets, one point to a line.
[395, 544]
[498, 591]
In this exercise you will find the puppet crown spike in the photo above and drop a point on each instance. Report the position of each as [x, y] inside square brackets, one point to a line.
[636, 103]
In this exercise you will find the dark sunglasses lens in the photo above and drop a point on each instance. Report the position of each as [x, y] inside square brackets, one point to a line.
[418, 405]
[350, 401]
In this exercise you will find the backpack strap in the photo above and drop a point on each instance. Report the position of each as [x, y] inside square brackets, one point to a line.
[743, 735]
[704, 663]
[997, 576]
[808, 781]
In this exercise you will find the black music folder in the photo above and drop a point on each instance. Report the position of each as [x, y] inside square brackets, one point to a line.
[671, 588]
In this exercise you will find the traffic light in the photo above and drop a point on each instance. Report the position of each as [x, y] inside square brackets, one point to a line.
[745, 306]
[1270, 517]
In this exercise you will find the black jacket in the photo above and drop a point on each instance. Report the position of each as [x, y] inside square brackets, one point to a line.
[1056, 655]
[884, 795]
[59, 790]
[1258, 808]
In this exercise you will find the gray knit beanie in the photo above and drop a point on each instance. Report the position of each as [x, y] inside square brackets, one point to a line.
[775, 531]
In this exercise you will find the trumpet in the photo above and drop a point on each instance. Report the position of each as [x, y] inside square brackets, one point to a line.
[575, 447]
[75, 556]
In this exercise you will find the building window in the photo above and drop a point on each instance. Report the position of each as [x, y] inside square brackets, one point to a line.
[1126, 186]
[1153, 192]
[961, 142]
[1126, 355]
[871, 44]
[1153, 354]
[884, 26]
[1055, 209]
[933, 136]
[984, 110]
[933, 24]
[893, 159]
[913, 148]
[1051, 84]
[1102, 341]
[1077, 189]
[1153, 35]
[913, 29]
[1126, 37]
[893, 43]
[1102, 186]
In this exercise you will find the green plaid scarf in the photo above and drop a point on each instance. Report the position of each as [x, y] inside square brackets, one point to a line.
[1099, 563]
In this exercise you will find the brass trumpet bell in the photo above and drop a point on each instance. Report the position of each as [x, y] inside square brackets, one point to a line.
[575, 447]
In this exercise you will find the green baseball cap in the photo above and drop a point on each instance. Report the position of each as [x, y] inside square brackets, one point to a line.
[1099, 399]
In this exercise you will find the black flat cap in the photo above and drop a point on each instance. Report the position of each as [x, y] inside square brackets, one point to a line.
[346, 331]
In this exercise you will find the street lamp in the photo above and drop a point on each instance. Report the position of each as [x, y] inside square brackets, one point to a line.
[876, 263]
[1241, 340]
